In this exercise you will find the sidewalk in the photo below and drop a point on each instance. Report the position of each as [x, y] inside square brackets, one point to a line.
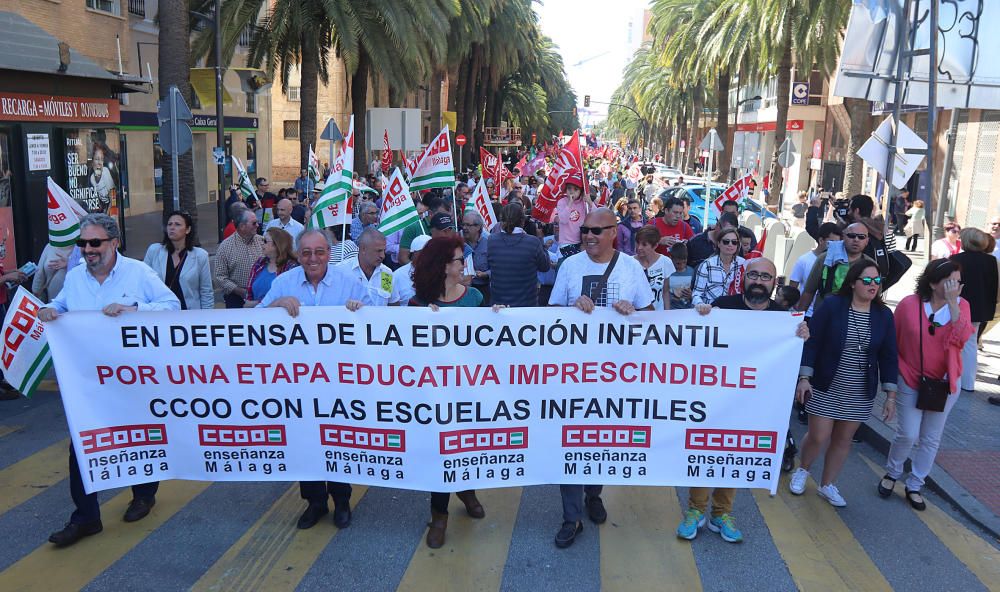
[967, 468]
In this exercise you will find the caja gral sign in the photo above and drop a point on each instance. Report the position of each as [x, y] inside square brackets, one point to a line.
[730, 440]
[123, 436]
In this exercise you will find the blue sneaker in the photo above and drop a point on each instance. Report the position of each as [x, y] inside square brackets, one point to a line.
[725, 525]
[688, 528]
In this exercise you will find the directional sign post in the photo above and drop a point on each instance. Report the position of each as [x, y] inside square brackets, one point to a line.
[175, 135]
[711, 144]
[331, 132]
[786, 158]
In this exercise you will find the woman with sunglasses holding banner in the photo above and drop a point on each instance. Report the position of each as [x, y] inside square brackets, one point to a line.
[932, 326]
[851, 348]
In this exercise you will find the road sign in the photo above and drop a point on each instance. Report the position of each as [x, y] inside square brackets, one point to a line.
[331, 132]
[174, 141]
[460, 140]
[712, 142]
[786, 154]
[818, 148]
[800, 93]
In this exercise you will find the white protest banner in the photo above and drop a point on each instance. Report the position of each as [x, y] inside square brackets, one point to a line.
[398, 209]
[456, 399]
[25, 359]
[482, 204]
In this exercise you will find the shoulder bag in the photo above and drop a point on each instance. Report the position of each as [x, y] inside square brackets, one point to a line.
[933, 393]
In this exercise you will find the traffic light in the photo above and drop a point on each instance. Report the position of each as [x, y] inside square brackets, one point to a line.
[574, 111]
[586, 100]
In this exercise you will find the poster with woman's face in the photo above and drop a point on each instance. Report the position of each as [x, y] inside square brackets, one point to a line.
[8, 255]
[92, 169]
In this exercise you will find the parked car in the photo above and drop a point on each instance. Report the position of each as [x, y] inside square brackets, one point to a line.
[696, 193]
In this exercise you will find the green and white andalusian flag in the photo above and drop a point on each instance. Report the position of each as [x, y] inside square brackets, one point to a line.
[26, 358]
[435, 167]
[243, 180]
[313, 166]
[64, 217]
[398, 209]
[335, 205]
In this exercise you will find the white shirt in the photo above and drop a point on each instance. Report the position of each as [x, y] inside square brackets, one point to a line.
[130, 283]
[626, 282]
[335, 289]
[800, 273]
[402, 282]
[294, 227]
[381, 286]
[657, 275]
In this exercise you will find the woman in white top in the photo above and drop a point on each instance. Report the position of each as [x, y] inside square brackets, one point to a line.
[915, 226]
[658, 268]
[182, 266]
[948, 245]
[716, 276]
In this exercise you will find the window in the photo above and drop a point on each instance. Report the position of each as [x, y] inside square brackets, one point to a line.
[109, 6]
[137, 8]
[291, 129]
[294, 93]
[251, 102]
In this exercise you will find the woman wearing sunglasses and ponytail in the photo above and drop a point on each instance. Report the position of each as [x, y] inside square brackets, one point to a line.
[851, 348]
[932, 326]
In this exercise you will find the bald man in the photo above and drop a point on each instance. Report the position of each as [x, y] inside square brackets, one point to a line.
[598, 276]
[285, 221]
[758, 283]
[831, 266]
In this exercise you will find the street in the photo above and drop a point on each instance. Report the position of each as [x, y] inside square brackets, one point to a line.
[242, 536]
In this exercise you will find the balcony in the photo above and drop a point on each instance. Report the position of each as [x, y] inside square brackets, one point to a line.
[137, 8]
[246, 36]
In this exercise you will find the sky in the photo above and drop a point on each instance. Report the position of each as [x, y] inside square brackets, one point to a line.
[597, 33]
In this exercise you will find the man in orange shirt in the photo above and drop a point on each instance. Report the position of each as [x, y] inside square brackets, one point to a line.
[673, 229]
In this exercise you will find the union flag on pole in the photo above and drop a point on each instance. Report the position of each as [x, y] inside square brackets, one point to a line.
[435, 167]
[398, 209]
[568, 161]
[490, 163]
[386, 154]
[481, 203]
[736, 192]
[64, 217]
[335, 205]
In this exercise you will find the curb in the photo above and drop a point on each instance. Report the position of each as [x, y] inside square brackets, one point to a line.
[880, 437]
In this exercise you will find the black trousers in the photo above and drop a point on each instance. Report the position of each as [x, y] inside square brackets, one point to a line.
[87, 507]
[315, 492]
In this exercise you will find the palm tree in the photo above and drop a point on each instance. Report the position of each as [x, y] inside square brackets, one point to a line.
[174, 69]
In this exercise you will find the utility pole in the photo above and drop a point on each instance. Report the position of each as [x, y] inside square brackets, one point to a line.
[220, 131]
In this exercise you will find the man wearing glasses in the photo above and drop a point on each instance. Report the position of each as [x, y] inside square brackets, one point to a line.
[235, 258]
[113, 284]
[472, 231]
[830, 269]
[601, 276]
[758, 284]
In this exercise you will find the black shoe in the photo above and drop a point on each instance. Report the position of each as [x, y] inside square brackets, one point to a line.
[73, 532]
[994, 400]
[342, 516]
[916, 500]
[856, 438]
[595, 509]
[138, 508]
[567, 534]
[882, 489]
[311, 516]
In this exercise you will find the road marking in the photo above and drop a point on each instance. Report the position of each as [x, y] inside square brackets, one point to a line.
[474, 552]
[819, 550]
[273, 554]
[8, 430]
[639, 547]
[27, 478]
[48, 568]
[978, 555]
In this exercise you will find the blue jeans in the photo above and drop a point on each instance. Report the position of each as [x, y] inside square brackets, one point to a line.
[572, 499]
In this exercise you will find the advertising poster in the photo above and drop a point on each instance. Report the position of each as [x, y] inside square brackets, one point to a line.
[93, 174]
[8, 255]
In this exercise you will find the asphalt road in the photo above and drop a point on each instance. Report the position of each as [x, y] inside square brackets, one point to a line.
[241, 536]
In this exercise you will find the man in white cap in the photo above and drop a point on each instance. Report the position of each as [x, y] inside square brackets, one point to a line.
[402, 279]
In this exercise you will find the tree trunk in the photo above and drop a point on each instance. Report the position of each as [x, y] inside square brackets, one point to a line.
[696, 110]
[309, 91]
[861, 129]
[479, 106]
[722, 122]
[437, 83]
[174, 58]
[687, 146]
[780, 125]
[469, 104]
[359, 106]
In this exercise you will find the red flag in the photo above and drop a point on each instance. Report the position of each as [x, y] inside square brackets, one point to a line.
[386, 154]
[519, 167]
[492, 167]
[566, 164]
[767, 182]
[602, 199]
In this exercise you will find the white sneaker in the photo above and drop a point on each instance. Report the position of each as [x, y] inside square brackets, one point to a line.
[831, 494]
[798, 483]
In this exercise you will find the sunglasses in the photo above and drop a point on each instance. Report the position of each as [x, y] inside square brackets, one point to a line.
[595, 230]
[855, 236]
[92, 243]
[953, 230]
[871, 280]
[729, 241]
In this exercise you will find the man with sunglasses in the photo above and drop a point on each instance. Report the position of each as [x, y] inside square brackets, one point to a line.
[600, 276]
[113, 284]
[235, 258]
[758, 284]
[830, 269]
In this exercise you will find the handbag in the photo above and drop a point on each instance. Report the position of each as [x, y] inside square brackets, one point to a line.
[933, 393]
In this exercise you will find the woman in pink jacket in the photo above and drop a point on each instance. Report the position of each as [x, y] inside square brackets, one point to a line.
[933, 324]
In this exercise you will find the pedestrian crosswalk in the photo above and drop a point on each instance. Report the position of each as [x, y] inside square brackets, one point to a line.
[189, 542]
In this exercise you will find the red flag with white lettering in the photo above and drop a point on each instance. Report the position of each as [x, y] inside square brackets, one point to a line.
[567, 163]
[386, 154]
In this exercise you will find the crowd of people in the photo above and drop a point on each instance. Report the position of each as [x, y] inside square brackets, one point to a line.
[640, 254]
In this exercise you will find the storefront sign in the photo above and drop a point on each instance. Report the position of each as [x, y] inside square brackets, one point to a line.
[432, 401]
[18, 107]
[38, 152]
[147, 120]
[793, 125]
